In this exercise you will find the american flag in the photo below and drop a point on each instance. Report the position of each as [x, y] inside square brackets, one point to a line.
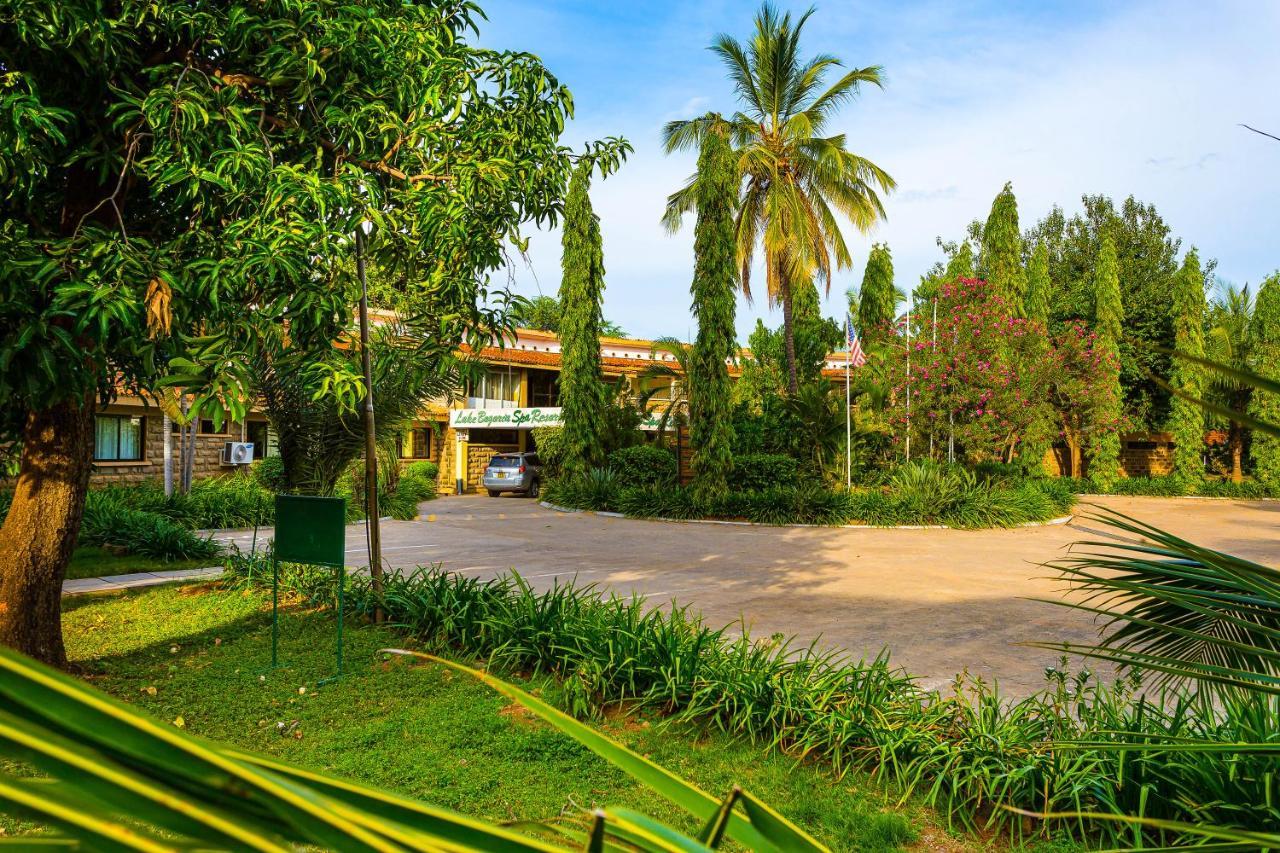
[856, 356]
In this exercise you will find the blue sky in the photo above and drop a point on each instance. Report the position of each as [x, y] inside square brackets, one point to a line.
[1060, 98]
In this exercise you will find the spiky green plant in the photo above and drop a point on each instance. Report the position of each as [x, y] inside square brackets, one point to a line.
[1186, 417]
[714, 296]
[1104, 442]
[796, 179]
[1000, 255]
[583, 395]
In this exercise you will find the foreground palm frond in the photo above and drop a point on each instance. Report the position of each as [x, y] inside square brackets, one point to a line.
[113, 778]
[1184, 612]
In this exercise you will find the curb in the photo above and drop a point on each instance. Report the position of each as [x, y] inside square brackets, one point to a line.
[1174, 497]
[1053, 522]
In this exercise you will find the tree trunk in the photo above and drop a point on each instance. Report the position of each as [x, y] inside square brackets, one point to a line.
[1076, 453]
[40, 531]
[1236, 439]
[789, 338]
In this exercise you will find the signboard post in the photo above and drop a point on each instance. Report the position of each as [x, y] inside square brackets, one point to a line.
[309, 530]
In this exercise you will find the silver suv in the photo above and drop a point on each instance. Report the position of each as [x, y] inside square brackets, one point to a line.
[513, 472]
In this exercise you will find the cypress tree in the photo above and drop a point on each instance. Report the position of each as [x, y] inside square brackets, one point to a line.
[1186, 419]
[1264, 330]
[1000, 255]
[1036, 304]
[1038, 440]
[961, 264]
[1108, 317]
[876, 302]
[714, 301]
[583, 396]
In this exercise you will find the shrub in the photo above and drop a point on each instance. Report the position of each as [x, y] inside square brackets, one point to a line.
[644, 465]
[753, 472]
[424, 470]
[269, 472]
[108, 520]
[595, 490]
[232, 501]
[549, 442]
[1247, 490]
[413, 488]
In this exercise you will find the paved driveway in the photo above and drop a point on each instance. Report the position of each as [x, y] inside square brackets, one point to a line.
[941, 600]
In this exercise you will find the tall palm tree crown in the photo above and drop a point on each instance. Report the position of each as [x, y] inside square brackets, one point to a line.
[795, 178]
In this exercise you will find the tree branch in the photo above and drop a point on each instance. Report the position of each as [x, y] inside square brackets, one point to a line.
[1260, 132]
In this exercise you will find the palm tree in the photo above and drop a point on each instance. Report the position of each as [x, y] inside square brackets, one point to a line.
[795, 179]
[1228, 342]
[675, 405]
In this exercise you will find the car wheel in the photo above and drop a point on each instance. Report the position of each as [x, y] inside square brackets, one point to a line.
[535, 489]
[493, 493]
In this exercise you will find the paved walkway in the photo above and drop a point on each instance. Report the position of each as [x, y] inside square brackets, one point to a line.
[941, 600]
[80, 586]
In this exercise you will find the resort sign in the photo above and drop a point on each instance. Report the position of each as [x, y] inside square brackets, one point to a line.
[546, 416]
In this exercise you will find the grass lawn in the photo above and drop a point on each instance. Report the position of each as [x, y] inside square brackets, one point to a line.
[89, 562]
[196, 654]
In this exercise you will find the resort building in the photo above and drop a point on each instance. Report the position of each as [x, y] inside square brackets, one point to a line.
[517, 392]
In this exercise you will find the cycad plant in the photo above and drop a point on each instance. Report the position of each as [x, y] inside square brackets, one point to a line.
[795, 178]
[112, 778]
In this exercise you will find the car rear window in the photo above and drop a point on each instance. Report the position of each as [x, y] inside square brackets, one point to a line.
[504, 462]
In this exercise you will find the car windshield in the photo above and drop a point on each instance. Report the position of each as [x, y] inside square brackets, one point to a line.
[504, 462]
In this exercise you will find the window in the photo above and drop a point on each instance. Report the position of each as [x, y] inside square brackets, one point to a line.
[118, 438]
[416, 443]
[496, 389]
[260, 434]
[544, 388]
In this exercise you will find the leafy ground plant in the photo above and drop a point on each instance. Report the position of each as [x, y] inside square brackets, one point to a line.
[973, 754]
[421, 730]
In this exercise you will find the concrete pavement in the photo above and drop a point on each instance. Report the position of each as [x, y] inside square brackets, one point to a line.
[940, 600]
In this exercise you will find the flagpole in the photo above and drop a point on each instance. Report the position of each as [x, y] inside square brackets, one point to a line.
[848, 415]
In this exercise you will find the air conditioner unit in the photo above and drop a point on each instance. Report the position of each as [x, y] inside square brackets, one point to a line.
[237, 453]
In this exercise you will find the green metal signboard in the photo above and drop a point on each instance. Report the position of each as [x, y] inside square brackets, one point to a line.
[311, 530]
[308, 530]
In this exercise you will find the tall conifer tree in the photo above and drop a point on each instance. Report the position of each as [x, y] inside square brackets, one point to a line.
[1039, 437]
[1108, 318]
[1000, 255]
[1186, 419]
[714, 301]
[1264, 330]
[1036, 303]
[583, 396]
[961, 264]
[876, 298]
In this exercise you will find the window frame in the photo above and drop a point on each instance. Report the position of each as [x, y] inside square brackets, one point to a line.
[118, 419]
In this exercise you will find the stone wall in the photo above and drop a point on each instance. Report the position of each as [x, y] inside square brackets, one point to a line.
[208, 456]
[478, 456]
[1141, 455]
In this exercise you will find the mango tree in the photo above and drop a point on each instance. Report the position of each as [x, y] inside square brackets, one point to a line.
[174, 174]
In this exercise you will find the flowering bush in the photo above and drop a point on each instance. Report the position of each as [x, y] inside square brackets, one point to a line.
[986, 378]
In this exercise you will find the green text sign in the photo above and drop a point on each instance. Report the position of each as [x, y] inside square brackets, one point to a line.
[311, 530]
